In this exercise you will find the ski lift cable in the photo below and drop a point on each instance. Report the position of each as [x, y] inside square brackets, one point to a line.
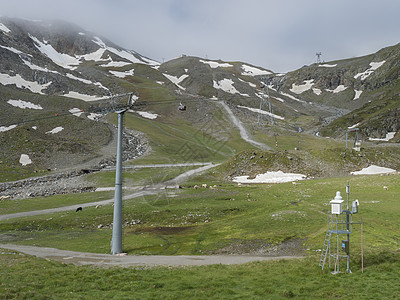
[56, 115]
[113, 106]
[109, 108]
[68, 113]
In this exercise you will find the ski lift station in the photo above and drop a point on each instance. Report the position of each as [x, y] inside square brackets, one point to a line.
[339, 227]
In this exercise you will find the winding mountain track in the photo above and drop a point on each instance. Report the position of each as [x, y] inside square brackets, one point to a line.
[243, 132]
[149, 190]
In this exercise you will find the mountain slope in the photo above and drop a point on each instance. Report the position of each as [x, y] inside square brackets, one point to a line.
[49, 74]
[55, 75]
[353, 88]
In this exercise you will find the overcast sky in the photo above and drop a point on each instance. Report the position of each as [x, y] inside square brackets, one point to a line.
[281, 35]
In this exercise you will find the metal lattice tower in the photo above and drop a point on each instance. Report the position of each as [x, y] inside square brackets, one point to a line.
[318, 54]
[265, 88]
[356, 142]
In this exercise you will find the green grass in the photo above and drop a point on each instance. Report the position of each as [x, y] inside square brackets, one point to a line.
[10, 206]
[29, 277]
[198, 221]
[204, 221]
[177, 141]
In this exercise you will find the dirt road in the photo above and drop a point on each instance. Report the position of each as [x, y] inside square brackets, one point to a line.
[149, 190]
[108, 260]
[243, 132]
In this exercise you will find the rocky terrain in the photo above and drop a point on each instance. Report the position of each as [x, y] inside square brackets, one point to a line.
[71, 181]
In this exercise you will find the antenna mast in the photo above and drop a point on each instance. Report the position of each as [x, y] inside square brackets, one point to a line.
[318, 54]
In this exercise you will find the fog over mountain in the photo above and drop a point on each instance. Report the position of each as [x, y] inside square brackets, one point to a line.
[281, 36]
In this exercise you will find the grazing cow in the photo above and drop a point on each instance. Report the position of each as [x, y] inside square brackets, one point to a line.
[79, 209]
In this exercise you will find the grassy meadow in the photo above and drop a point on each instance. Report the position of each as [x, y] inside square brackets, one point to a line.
[224, 219]
[29, 277]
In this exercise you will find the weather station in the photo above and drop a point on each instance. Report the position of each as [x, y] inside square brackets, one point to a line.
[339, 227]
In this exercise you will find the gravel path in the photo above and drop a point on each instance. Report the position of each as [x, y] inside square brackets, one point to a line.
[149, 190]
[108, 260]
[243, 132]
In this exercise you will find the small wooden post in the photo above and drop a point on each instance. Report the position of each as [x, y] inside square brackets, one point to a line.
[362, 250]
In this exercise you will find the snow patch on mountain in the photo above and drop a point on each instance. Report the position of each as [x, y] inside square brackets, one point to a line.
[317, 91]
[64, 60]
[72, 62]
[249, 83]
[338, 89]
[7, 128]
[38, 68]
[23, 104]
[25, 160]
[298, 89]
[292, 97]
[367, 73]
[357, 95]
[94, 116]
[354, 126]
[260, 111]
[214, 64]
[227, 86]
[123, 74]
[16, 51]
[388, 137]
[76, 111]
[86, 81]
[253, 71]
[177, 80]
[128, 55]
[55, 130]
[116, 64]
[271, 177]
[83, 97]
[33, 86]
[371, 170]
[327, 66]
[70, 76]
[4, 28]
[147, 115]
[94, 56]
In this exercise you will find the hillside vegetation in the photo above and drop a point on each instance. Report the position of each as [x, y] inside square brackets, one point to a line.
[59, 86]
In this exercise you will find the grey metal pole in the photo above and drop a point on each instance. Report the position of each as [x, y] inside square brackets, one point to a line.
[348, 226]
[116, 241]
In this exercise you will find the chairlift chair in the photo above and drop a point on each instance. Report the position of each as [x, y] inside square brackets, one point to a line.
[181, 107]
